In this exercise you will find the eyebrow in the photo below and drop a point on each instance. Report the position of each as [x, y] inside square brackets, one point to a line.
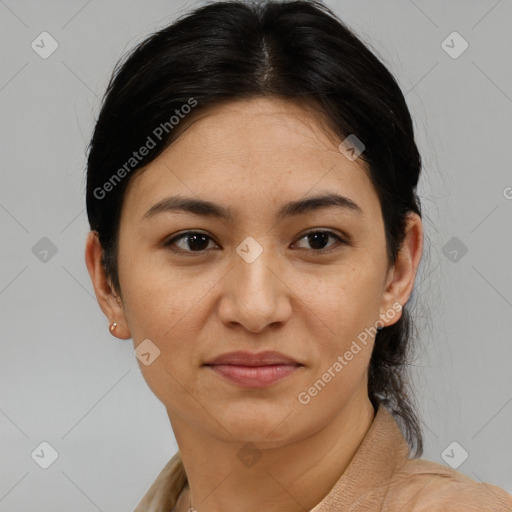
[208, 209]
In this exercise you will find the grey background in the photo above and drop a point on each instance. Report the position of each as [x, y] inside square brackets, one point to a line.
[66, 381]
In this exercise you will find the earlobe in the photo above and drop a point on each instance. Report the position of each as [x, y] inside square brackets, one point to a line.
[112, 328]
[108, 300]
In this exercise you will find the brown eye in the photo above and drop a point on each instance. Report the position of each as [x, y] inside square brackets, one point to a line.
[319, 239]
[197, 242]
[194, 241]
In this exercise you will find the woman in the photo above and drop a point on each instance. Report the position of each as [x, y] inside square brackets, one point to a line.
[255, 230]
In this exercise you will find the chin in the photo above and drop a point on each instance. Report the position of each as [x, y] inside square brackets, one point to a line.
[268, 427]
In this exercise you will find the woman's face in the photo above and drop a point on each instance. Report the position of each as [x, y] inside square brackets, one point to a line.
[254, 281]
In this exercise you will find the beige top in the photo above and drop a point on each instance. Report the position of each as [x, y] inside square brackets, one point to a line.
[380, 477]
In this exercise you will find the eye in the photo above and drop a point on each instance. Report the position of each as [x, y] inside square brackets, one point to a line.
[195, 240]
[318, 239]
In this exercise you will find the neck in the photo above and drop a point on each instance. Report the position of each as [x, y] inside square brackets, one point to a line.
[291, 477]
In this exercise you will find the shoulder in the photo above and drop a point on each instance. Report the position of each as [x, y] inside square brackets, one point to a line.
[164, 492]
[422, 485]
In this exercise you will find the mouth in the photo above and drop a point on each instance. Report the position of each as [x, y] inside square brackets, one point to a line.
[254, 370]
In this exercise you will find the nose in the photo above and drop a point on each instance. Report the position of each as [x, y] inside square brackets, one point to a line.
[256, 294]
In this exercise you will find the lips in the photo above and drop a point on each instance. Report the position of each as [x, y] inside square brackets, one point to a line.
[242, 358]
[253, 370]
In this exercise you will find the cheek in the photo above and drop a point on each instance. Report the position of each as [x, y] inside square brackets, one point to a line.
[350, 309]
[157, 312]
[348, 302]
[156, 297]
[168, 318]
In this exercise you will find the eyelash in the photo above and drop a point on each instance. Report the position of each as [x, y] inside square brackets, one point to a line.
[339, 240]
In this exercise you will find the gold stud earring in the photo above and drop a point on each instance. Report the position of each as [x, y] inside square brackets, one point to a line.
[112, 327]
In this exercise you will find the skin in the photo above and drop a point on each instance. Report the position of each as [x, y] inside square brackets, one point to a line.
[253, 156]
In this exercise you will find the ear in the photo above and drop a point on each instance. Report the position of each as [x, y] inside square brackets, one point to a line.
[401, 276]
[109, 302]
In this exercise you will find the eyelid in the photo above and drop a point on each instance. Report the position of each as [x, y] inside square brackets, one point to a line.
[340, 235]
[168, 242]
[341, 239]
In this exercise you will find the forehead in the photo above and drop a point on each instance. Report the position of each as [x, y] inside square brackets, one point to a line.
[260, 125]
[253, 150]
